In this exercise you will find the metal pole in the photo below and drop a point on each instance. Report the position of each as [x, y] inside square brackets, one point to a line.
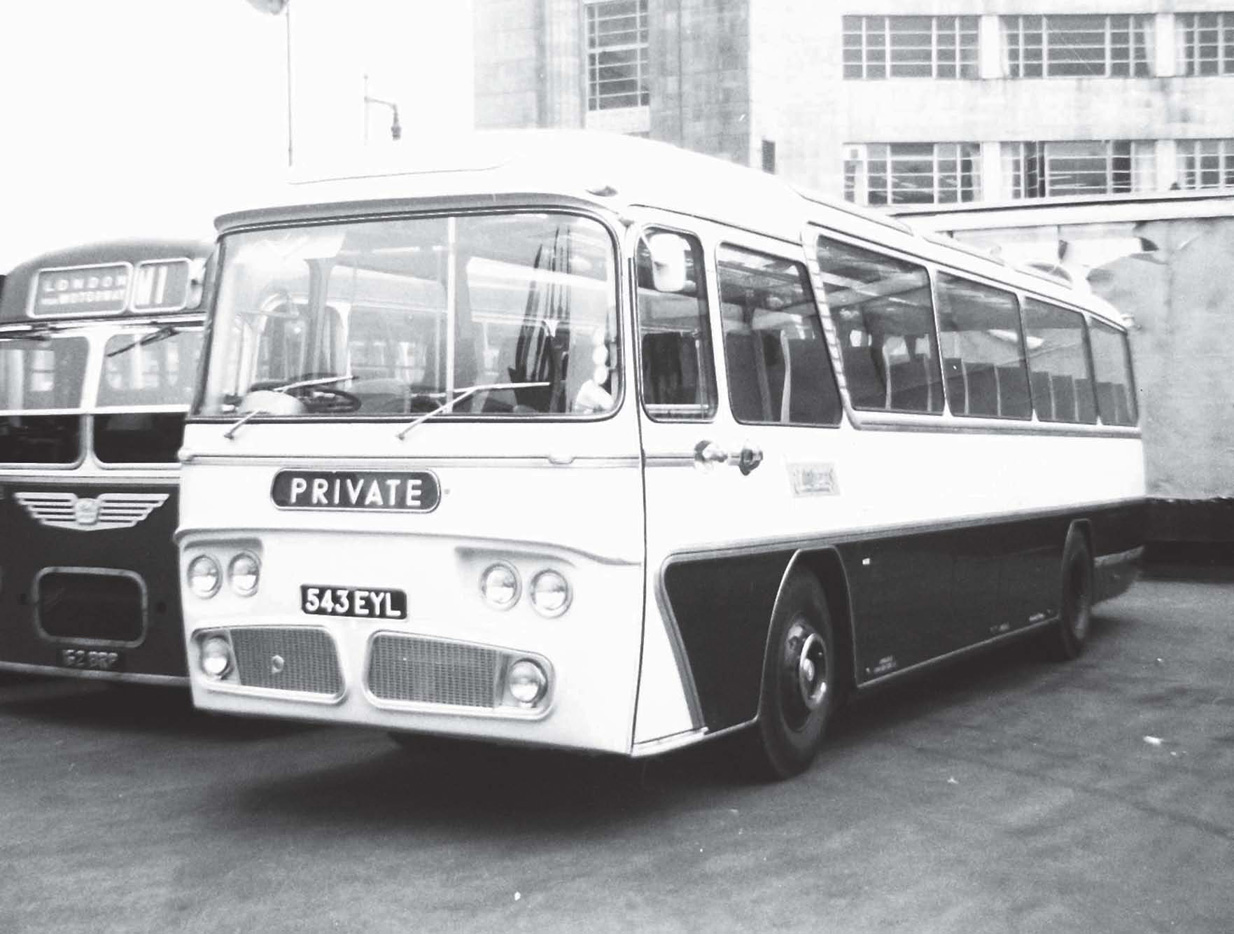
[287, 11]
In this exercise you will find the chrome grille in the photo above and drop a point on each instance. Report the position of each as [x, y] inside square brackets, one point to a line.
[287, 659]
[430, 671]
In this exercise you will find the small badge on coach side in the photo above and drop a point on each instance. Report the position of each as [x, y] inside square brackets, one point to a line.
[814, 479]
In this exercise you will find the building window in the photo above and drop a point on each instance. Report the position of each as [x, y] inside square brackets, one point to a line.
[1206, 43]
[1039, 170]
[1078, 46]
[617, 54]
[912, 173]
[910, 47]
[1205, 163]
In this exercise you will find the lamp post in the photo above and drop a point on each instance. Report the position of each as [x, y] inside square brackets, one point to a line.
[396, 129]
[276, 7]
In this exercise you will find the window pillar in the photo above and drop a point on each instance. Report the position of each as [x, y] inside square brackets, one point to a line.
[1167, 164]
[991, 171]
[1166, 51]
[990, 47]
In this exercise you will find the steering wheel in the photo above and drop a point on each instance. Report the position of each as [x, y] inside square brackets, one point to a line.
[326, 398]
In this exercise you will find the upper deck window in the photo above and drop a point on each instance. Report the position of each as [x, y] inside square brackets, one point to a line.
[910, 47]
[387, 318]
[150, 367]
[1078, 46]
[617, 51]
[46, 372]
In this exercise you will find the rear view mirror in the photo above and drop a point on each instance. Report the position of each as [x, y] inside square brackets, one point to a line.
[668, 261]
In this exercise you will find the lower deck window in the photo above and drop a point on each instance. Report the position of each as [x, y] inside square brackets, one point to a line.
[39, 439]
[138, 437]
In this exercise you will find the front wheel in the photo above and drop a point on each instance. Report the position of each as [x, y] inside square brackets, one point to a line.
[1076, 600]
[799, 681]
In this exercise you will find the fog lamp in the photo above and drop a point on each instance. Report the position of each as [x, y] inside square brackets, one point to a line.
[203, 576]
[526, 682]
[550, 594]
[499, 586]
[216, 658]
[243, 573]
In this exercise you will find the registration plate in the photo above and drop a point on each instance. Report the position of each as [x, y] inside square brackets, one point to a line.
[91, 659]
[364, 602]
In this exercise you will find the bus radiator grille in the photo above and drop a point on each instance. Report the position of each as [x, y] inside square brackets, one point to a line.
[285, 659]
[429, 671]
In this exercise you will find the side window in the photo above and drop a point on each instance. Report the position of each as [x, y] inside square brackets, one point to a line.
[983, 353]
[884, 323]
[779, 371]
[679, 379]
[1062, 386]
[1115, 386]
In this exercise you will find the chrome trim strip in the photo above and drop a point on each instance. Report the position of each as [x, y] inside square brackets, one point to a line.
[168, 479]
[100, 572]
[1001, 637]
[134, 677]
[378, 461]
[654, 747]
[1130, 556]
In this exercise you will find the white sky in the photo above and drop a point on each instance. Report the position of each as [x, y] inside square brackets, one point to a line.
[132, 117]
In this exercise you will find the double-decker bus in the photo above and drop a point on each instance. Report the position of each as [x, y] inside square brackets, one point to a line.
[99, 347]
[589, 442]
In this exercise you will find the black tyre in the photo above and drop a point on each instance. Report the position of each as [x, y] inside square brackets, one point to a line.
[799, 679]
[1076, 600]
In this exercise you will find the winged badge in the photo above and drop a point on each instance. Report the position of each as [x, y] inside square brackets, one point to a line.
[90, 514]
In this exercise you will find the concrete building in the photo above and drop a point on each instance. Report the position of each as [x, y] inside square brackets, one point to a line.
[886, 101]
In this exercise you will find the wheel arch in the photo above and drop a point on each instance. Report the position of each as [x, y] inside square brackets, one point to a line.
[825, 565]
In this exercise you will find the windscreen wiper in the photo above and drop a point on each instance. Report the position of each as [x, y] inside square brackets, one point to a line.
[286, 387]
[162, 333]
[463, 393]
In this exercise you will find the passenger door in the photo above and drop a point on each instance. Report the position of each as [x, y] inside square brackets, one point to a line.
[738, 403]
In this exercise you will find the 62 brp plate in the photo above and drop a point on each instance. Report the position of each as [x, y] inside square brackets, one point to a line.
[359, 602]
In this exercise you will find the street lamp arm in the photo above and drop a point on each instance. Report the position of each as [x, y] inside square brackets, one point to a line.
[396, 129]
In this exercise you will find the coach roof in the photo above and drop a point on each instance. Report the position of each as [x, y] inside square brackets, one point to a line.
[610, 171]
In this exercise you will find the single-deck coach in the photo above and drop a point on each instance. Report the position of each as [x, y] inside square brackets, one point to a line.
[586, 441]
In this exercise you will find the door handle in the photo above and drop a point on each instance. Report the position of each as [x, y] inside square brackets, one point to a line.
[708, 453]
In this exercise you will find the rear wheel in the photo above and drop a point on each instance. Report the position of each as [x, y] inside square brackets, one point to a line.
[799, 676]
[1076, 599]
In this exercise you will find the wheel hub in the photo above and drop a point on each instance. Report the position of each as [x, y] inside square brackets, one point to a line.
[806, 663]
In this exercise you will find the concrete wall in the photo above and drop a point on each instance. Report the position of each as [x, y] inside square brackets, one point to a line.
[700, 91]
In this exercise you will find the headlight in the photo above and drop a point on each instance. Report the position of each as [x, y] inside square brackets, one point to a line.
[216, 658]
[550, 594]
[526, 682]
[243, 573]
[203, 576]
[499, 586]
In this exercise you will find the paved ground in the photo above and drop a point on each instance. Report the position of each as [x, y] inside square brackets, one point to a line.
[1001, 794]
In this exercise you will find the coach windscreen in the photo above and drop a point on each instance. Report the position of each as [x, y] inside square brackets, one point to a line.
[474, 315]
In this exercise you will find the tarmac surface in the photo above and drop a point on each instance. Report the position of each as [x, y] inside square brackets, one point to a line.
[1003, 793]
